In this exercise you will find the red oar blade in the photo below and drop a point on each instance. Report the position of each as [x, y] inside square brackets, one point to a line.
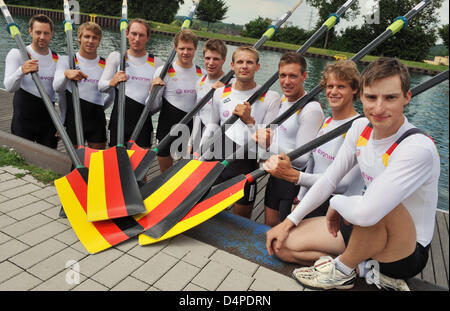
[141, 160]
[174, 197]
[113, 191]
[218, 198]
[84, 154]
[97, 236]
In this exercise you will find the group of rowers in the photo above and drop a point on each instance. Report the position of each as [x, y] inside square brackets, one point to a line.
[361, 204]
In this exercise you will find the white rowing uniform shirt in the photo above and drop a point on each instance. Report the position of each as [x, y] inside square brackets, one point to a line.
[140, 72]
[179, 90]
[394, 172]
[323, 156]
[225, 99]
[297, 130]
[88, 88]
[202, 87]
[15, 79]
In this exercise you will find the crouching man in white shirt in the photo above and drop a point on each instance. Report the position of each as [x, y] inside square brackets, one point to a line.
[389, 228]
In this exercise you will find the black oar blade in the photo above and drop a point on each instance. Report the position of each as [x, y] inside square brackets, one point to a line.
[218, 198]
[95, 236]
[141, 160]
[113, 191]
[169, 199]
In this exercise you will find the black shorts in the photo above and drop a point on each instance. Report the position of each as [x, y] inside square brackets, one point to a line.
[133, 110]
[93, 120]
[280, 195]
[405, 268]
[168, 117]
[31, 119]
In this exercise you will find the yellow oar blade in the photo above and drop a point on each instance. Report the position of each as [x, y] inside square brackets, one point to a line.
[219, 198]
[113, 191]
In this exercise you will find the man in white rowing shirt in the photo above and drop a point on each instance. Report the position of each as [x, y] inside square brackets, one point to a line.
[31, 119]
[140, 67]
[389, 228]
[214, 55]
[232, 99]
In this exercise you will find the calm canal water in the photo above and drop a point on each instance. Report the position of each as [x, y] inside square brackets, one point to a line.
[429, 111]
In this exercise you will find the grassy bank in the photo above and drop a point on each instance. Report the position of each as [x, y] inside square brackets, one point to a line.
[251, 41]
[12, 158]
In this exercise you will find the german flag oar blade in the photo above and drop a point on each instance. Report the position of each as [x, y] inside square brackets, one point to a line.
[141, 160]
[113, 191]
[168, 200]
[217, 199]
[84, 154]
[97, 236]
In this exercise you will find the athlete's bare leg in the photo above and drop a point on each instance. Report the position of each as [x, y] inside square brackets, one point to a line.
[391, 239]
[310, 240]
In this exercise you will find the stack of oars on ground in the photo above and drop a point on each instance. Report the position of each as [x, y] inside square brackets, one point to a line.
[181, 197]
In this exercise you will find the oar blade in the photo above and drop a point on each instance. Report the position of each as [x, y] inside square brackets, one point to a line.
[113, 191]
[168, 202]
[141, 160]
[84, 154]
[218, 198]
[97, 236]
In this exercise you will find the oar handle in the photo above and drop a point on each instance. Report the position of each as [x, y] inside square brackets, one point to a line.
[430, 83]
[396, 26]
[153, 94]
[344, 127]
[273, 29]
[68, 29]
[123, 25]
[331, 21]
[15, 34]
[310, 145]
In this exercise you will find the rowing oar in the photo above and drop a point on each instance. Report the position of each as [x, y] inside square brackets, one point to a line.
[227, 193]
[141, 159]
[332, 20]
[142, 168]
[168, 222]
[113, 191]
[84, 153]
[78, 177]
[170, 202]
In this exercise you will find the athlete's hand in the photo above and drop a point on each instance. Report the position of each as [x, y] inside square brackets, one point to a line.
[243, 111]
[333, 219]
[120, 76]
[263, 137]
[31, 65]
[280, 166]
[276, 236]
[76, 75]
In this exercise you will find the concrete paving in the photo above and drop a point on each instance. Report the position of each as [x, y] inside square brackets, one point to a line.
[40, 252]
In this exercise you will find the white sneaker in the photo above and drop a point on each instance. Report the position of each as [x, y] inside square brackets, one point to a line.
[324, 275]
[385, 282]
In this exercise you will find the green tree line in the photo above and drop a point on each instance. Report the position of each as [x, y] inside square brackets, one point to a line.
[155, 10]
[412, 43]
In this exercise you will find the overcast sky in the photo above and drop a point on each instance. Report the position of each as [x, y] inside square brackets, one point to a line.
[242, 11]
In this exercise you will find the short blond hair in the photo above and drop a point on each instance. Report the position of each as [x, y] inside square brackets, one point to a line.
[343, 70]
[91, 26]
[246, 48]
